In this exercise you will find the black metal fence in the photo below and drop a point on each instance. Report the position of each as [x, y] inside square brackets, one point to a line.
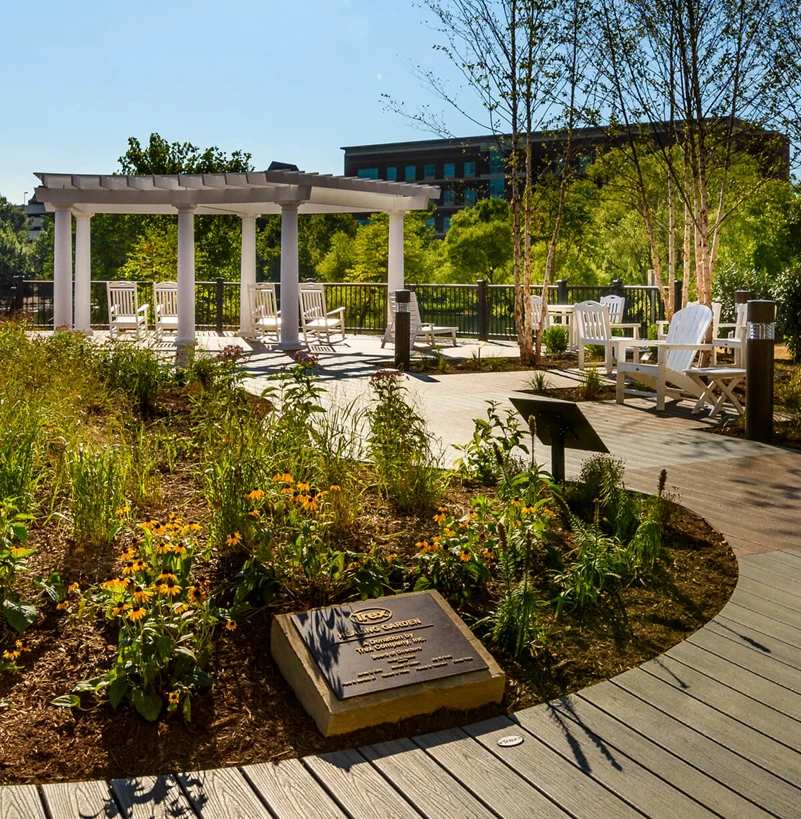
[480, 310]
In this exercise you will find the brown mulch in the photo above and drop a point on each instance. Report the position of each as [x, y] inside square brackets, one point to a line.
[252, 715]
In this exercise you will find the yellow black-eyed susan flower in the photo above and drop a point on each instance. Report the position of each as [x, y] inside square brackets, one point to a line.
[141, 594]
[174, 697]
[255, 495]
[137, 613]
[230, 625]
[465, 556]
[234, 539]
[169, 588]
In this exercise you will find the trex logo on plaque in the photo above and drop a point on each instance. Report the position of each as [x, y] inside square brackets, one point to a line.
[362, 664]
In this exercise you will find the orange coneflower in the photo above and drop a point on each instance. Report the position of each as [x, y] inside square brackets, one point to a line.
[335, 487]
[255, 495]
[73, 587]
[17, 551]
[255, 513]
[230, 625]
[465, 556]
[119, 609]
[233, 539]
[169, 587]
[141, 594]
[174, 697]
[137, 613]
[303, 487]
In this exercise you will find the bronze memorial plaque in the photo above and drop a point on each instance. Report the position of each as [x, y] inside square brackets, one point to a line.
[374, 645]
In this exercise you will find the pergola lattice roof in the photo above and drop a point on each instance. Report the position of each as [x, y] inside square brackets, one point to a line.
[254, 192]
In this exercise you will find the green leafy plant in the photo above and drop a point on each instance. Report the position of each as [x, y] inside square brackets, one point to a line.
[788, 299]
[556, 338]
[97, 480]
[14, 552]
[539, 383]
[591, 384]
[134, 371]
[400, 447]
[165, 622]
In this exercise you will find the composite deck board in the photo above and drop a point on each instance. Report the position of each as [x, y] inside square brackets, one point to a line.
[291, 791]
[89, 800]
[21, 802]
[755, 630]
[764, 663]
[777, 597]
[223, 793]
[668, 730]
[355, 783]
[599, 759]
[652, 756]
[762, 574]
[770, 563]
[565, 784]
[790, 559]
[158, 797]
[433, 791]
[764, 684]
[755, 602]
[720, 695]
[793, 553]
[724, 729]
[498, 786]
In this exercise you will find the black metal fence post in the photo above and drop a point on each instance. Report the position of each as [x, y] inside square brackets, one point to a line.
[403, 338]
[220, 303]
[483, 311]
[761, 317]
[617, 287]
[677, 294]
[19, 294]
[561, 291]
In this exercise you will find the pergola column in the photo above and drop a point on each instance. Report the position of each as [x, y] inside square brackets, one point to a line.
[247, 275]
[289, 277]
[83, 273]
[185, 337]
[395, 264]
[62, 268]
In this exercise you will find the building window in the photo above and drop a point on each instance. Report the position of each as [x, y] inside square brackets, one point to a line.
[469, 168]
[368, 173]
[448, 197]
[496, 188]
[496, 161]
[470, 196]
[392, 174]
[410, 173]
[449, 171]
[430, 223]
[429, 171]
[446, 224]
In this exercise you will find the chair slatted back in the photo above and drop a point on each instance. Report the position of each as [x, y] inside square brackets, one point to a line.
[263, 302]
[592, 322]
[688, 326]
[616, 306]
[312, 301]
[165, 298]
[536, 313]
[122, 300]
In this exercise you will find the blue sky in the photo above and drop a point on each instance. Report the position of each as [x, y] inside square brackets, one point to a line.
[291, 81]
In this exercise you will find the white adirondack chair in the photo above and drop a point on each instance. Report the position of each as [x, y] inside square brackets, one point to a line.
[124, 310]
[165, 307]
[264, 310]
[417, 327]
[593, 326]
[314, 316]
[675, 355]
[617, 309]
[662, 324]
[734, 340]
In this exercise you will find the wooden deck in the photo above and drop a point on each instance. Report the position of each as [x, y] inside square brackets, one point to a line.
[711, 728]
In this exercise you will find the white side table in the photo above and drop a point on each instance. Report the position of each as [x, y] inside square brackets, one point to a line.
[717, 387]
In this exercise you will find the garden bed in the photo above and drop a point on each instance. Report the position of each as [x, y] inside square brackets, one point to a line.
[258, 542]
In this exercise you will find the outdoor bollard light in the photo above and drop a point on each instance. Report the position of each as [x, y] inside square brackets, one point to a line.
[743, 296]
[761, 318]
[561, 291]
[403, 341]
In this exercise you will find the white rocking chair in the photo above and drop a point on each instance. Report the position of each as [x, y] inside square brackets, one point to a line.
[417, 327]
[314, 316]
[165, 308]
[675, 356]
[124, 311]
[264, 312]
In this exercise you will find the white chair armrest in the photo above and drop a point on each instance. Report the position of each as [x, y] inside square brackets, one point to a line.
[143, 308]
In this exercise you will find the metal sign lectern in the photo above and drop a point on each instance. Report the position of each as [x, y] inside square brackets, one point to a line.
[559, 424]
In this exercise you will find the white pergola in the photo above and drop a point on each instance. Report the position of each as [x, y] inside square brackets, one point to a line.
[247, 195]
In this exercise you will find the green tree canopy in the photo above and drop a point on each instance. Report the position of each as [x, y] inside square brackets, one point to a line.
[479, 243]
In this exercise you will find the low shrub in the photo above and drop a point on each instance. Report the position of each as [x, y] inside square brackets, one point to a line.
[556, 339]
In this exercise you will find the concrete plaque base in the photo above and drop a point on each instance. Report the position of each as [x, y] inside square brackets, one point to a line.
[337, 714]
